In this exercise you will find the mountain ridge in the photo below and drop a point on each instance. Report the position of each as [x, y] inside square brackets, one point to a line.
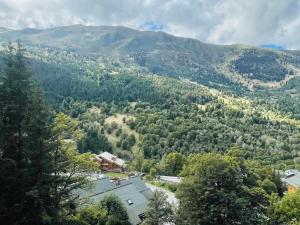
[161, 53]
[196, 90]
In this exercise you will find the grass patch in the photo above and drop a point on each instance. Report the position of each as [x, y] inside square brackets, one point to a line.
[118, 175]
[165, 185]
[112, 137]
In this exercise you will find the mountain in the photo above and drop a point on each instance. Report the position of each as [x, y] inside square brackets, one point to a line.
[160, 53]
[3, 29]
[151, 93]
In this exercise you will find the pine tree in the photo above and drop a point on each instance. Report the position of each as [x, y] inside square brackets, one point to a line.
[24, 156]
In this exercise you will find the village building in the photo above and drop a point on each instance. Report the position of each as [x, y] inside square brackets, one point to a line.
[110, 163]
[132, 192]
[292, 180]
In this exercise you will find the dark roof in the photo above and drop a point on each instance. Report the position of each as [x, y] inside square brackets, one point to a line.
[132, 192]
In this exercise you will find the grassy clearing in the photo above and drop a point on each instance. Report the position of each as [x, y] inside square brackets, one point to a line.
[118, 119]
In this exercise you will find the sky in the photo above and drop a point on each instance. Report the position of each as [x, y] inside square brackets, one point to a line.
[267, 23]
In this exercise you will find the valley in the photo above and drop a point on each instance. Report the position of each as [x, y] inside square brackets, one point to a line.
[122, 80]
[123, 105]
[149, 112]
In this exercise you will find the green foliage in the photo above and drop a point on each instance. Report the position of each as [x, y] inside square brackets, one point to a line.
[216, 190]
[109, 211]
[174, 116]
[269, 186]
[285, 210]
[168, 186]
[153, 172]
[202, 119]
[260, 65]
[89, 215]
[117, 214]
[185, 127]
[25, 157]
[148, 178]
[94, 141]
[159, 211]
[71, 169]
[137, 162]
[147, 165]
[172, 163]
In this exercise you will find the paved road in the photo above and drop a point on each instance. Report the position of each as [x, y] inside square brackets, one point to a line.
[171, 196]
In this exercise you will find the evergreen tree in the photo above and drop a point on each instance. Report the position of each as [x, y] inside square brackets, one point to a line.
[24, 151]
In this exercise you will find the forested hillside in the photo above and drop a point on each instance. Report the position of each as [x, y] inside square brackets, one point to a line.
[166, 114]
[225, 118]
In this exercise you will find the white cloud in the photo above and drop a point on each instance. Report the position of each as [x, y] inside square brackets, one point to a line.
[253, 22]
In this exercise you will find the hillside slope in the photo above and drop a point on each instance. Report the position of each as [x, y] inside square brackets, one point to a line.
[173, 108]
[225, 67]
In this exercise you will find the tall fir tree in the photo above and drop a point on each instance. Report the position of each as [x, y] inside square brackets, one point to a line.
[25, 164]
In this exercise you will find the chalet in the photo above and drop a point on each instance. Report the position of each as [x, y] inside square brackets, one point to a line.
[292, 179]
[110, 163]
[132, 192]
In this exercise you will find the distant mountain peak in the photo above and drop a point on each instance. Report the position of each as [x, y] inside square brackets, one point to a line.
[3, 29]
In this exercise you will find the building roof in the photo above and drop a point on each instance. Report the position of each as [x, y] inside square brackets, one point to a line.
[134, 201]
[292, 177]
[132, 192]
[111, 158]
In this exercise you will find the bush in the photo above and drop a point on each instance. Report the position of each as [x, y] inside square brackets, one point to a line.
[114, 125]
[148, 178]
[109, 130]
[153, 172]
[269, 186]
[109, 211]
[164, 185]
[118, 132]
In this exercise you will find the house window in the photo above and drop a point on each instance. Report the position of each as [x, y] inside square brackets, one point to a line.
[129, 201]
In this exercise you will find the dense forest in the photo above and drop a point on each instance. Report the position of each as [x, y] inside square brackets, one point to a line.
[114, 102]
[59, 107]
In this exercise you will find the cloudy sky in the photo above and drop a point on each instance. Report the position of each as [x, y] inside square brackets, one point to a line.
[274, 23]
